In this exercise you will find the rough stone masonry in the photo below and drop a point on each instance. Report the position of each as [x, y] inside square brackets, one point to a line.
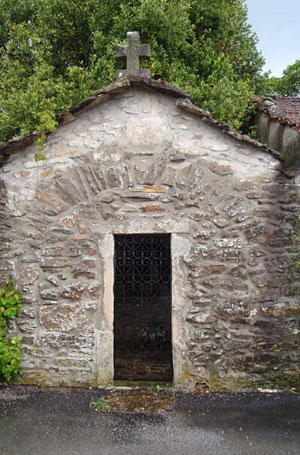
[138, 157]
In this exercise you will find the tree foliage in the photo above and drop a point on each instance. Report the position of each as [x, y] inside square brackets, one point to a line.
[289, 83]
[54, 53]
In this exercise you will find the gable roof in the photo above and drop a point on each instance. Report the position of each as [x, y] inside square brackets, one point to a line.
[284, 110]
[121, 85]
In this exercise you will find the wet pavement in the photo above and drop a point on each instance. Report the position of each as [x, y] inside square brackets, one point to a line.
[61, 422]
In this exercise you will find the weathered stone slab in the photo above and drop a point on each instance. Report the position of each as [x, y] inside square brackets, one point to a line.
[73, 291]
[63, 317]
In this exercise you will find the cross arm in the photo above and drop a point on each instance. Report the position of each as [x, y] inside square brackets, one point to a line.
[144, 51]
[121, 52]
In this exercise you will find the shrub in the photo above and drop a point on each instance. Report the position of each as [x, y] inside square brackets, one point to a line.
[10, 357]
[11, 301]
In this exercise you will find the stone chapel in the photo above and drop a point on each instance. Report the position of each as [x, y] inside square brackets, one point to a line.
[153, 244]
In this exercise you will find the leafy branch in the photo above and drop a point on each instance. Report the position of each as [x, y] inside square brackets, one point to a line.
[11, 301]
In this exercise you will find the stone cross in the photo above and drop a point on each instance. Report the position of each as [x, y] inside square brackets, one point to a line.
[132, 54]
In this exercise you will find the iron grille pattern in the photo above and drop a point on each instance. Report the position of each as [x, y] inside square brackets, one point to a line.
[142, 266]
[142, 316]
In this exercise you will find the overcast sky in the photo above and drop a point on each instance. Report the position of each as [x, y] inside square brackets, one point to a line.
[277, 24]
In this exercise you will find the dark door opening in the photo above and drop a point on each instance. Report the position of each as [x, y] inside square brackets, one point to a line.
[142, 307]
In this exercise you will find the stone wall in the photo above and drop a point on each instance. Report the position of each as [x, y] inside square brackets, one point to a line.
[281, 137]
[135, 164]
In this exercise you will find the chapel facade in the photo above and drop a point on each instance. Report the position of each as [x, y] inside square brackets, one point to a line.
[153, 243]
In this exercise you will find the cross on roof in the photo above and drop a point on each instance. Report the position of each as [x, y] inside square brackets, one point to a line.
[132, 54]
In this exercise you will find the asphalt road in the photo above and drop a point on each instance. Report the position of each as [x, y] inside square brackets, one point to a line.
[60, 422]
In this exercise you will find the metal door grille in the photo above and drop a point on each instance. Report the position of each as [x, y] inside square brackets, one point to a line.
[142, 293]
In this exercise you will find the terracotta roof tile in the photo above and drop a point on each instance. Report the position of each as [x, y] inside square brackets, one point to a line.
[285, 110]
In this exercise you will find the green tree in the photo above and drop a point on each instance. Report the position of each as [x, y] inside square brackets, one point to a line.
[271, 86]
[54, 53]
[289, 84]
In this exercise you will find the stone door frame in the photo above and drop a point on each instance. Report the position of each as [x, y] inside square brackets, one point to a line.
[180, 246]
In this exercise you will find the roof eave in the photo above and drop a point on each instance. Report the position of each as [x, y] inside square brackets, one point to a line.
[120, 86]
